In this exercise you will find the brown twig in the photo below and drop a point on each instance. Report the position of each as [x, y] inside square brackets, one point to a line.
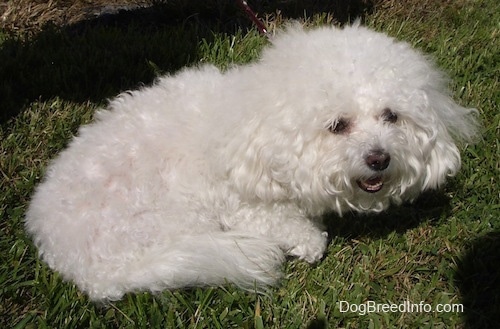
[251, 14]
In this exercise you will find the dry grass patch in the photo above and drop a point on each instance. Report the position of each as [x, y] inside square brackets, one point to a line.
[33, 15]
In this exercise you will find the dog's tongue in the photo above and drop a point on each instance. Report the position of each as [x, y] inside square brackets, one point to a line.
[371, 185]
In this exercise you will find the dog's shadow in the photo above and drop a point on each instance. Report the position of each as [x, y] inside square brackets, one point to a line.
[430, 206]
[98, 58]
[478, 279]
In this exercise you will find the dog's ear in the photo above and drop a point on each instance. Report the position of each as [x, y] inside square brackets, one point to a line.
[443, 161]
[453, 125]
[262, 170]
[264, 167]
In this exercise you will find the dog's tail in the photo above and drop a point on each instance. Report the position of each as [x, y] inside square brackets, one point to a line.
[203, 260]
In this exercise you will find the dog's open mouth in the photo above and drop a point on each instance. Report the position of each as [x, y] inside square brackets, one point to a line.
[372, 184]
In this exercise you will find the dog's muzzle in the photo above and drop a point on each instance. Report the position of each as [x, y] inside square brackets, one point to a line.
[378, 161]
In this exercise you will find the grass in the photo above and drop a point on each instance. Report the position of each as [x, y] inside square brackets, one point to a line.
[443, 249]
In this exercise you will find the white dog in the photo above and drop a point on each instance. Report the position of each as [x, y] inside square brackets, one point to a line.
[209, 176]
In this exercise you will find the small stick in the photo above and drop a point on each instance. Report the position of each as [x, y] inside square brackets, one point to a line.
[250, 13]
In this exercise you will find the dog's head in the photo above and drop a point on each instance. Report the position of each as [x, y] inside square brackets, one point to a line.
[347, 119]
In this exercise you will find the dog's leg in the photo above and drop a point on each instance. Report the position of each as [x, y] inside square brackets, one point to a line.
[296, 234]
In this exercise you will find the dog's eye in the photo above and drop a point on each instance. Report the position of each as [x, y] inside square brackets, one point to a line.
[339, 126]
[389, 116]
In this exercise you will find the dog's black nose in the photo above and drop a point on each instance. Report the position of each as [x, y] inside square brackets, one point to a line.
[378, 160]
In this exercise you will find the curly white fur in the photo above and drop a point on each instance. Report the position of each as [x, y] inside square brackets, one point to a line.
[207, 176]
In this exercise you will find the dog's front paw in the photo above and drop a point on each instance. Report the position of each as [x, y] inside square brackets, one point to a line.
[311, 249]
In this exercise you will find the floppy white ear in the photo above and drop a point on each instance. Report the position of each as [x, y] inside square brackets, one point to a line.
[443, 161]
[263, 167]
[454, 125]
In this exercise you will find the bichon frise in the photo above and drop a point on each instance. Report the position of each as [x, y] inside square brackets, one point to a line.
[209, 176]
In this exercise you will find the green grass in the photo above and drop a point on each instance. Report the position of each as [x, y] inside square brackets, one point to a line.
[443, 249]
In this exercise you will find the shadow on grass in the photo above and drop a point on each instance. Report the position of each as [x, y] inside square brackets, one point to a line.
[317, 324]
[96, 59]
[430, 206]
[478, 279]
